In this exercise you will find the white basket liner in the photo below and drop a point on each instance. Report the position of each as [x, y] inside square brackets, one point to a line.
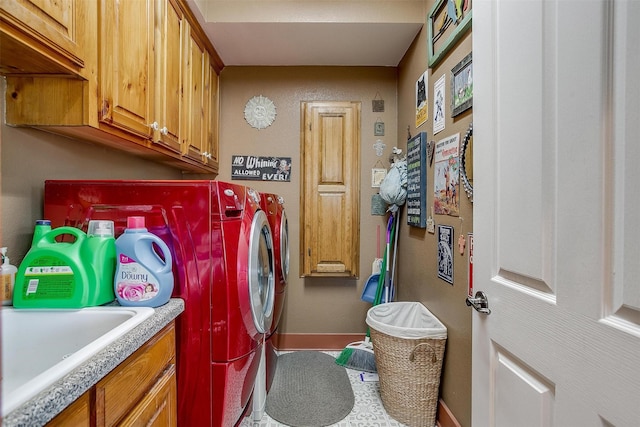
[409, 320]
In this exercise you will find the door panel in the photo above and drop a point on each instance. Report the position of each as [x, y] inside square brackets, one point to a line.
[127, 65]
[194, 119]
[555, 187]
[51, 31]
[523, 398]
[168, 97]
[330, 237]
[624, 297]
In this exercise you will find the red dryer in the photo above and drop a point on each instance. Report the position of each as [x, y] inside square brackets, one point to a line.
[273, 206]
[223, 268]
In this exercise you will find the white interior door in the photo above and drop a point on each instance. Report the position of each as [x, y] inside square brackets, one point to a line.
[557, 196]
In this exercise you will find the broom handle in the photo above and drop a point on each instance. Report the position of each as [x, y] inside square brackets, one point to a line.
[378, 297]
[384, 267]
[395, 249]
[387, 250]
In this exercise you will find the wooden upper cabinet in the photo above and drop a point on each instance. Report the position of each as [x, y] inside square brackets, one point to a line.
[201, 105]
[127, 65]
[43, 36]
[150, 86]
[330, 211]
[212, 111]
[194, 66]
[168, 95]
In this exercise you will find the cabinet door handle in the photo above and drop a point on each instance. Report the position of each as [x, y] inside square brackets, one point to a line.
[164, 131]
[154, 126]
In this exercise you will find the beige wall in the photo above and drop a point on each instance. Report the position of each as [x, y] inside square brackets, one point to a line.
[330, 306]
[418, 276]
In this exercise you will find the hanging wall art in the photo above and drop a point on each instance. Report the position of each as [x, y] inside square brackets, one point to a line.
[417, 180]
[446, 176]
[260, 112]
[260, 168]
[446, 24]
[462, 86]
[445, 253]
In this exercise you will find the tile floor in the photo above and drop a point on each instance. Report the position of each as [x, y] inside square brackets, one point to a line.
[368, 410]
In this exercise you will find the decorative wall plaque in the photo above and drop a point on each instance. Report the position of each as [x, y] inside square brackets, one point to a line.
[259, 168]
[417, 180]
[445, 253]
[260, 112]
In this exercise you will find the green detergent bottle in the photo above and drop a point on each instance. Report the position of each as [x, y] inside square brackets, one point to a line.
[67, 274]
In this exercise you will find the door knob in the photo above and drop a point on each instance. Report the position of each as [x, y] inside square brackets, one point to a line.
[479, 302]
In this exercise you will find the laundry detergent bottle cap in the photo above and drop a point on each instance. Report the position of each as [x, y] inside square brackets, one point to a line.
[134, 222]
[43, 226]
[144, 276]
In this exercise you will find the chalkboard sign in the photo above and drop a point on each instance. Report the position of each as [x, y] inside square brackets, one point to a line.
[417, 180]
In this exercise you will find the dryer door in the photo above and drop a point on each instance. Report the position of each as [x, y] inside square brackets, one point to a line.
[261, 272]
[284, 246]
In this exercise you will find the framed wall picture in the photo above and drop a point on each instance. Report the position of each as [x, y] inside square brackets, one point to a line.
[378, 128]
[422, 105]
[446, 24]
[377, 176]
[445, 253]
[439, 95]
[462, 86]
[446, 176]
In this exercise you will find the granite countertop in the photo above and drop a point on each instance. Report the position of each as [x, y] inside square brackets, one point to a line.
[53, 400]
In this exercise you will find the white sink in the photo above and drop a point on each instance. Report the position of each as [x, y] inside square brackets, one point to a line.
[39, 347]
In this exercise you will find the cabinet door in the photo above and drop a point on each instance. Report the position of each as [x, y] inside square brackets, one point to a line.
[330, 215]
[212, 114]
[168, 95]
[78, 414]
[42, 36]
[117, 394]
[158, 408]
[126, 64]
[194, 141]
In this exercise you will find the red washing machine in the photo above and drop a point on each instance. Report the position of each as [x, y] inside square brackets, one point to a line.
[224, 264]
[273, 206]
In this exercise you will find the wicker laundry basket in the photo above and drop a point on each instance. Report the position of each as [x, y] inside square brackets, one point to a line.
[408, 344]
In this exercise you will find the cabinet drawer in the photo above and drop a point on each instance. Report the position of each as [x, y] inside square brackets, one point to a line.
[125, 386]
[159, 406]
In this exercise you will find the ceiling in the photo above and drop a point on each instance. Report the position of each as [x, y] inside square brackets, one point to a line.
[310, 32]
